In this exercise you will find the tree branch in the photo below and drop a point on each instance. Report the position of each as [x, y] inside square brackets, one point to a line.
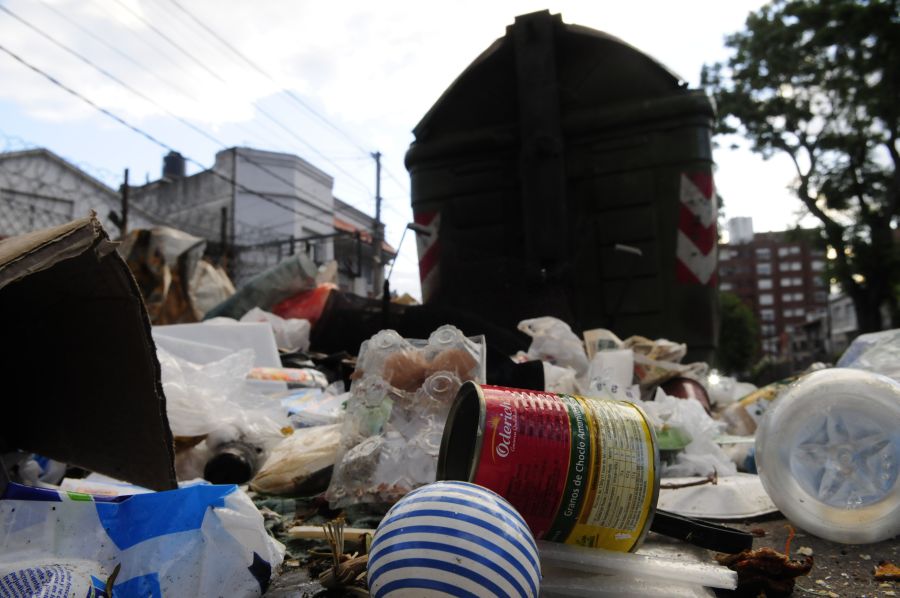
[864, 208]
[803, 191]
[834, 232]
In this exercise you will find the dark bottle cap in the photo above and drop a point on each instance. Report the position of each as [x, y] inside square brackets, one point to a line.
[233, 463]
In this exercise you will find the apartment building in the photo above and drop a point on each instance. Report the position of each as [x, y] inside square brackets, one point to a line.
[780, 278]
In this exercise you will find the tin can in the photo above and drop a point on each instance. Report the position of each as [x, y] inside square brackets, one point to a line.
[579, 470]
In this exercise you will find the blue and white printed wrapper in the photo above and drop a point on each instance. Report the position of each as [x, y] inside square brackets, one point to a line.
[202, 540]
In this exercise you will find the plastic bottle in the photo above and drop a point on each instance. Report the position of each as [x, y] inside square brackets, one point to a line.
[828, 454]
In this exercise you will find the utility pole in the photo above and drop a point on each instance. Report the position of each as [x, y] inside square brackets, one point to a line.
[377, 234]
[223, 237]
[123, 226]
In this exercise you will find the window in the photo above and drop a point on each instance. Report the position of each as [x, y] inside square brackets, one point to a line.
[818, 281]
[726, 286]
[787, 282]
[766, 299]
[798, 297]
[765, 283]
[783, 251]
[784, 266]
[821, 296]
[795, 250]
[818, 265]
[763, 253]
[764, 269]
[798, 282]
[796, 266]
[725, 254]
[767, 315]
[785, 297]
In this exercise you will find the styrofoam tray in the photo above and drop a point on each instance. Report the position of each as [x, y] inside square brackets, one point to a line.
[733, 497]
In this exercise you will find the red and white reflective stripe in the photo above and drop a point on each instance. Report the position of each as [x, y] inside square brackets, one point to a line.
[696, 244]
[429, 252]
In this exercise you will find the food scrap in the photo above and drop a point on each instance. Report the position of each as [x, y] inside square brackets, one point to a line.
[887, 571]
[765, 571]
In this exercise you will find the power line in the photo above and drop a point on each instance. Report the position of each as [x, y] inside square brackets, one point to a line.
[267, 75]
[141, 95]
[153, 139]
[219, 78]
[110, 76]
[112, 48]
[147, 99]
[403, 186]
[134, 62]
[261, 110]
[172, 42]
[289, 94]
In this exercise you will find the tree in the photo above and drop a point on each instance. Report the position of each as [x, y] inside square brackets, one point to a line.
[818, 81]
[738, 335]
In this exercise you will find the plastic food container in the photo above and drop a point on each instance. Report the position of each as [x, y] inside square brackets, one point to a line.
[828, 453]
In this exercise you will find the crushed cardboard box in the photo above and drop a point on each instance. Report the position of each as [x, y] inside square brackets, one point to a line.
[78, 367]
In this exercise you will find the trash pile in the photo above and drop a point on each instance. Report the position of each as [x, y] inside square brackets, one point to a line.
[235, 452]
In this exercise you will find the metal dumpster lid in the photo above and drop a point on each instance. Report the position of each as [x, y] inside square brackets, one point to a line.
[650, 71]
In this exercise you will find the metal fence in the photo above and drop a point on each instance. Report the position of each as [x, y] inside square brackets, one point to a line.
[244, 261]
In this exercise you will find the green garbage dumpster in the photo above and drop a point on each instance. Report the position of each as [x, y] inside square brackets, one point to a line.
[566, 173]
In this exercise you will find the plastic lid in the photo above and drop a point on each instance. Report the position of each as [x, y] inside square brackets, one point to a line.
[828, 454]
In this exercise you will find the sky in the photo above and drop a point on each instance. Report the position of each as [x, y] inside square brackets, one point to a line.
[331, 82]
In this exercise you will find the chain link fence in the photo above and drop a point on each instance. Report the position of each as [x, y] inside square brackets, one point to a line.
[20, 214]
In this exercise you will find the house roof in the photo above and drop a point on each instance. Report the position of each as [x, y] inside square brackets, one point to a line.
[41, 152]
[365, 235]
[45, 153]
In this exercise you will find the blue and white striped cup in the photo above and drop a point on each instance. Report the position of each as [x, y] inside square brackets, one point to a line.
[453, 538]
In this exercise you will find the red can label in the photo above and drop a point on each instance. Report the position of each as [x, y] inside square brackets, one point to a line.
[579, 470]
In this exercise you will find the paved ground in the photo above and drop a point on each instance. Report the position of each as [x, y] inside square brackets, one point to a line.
[839, 570]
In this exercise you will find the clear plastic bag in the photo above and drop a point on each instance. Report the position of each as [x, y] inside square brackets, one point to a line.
[214, 404]
[877, 352]
[401, 393]
[702, 456]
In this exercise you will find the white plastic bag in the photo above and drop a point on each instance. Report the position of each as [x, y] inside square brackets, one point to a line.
[554, 341]
[291, 334]
[198, 541]
[559, 379]
[702, 456]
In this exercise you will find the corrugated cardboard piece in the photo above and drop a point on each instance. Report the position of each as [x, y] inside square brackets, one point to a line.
[79, 378]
